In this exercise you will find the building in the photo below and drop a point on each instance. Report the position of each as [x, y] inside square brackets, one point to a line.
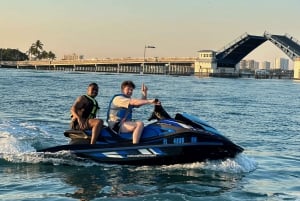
[205, 64]
[265, 65]
[281, 63]
[73, 57]
[249, 64]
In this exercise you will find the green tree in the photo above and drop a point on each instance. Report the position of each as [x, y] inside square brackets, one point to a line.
[43, 55]
[36, 49]
[31, 52]
[12, 55]
[51, 55]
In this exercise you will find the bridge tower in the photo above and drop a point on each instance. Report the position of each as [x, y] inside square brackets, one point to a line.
[205, 64]
[297, 68]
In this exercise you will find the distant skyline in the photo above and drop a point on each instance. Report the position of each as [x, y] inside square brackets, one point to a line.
[121, 28]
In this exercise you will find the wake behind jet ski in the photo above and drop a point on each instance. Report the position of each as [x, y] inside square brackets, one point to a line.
[182, 139]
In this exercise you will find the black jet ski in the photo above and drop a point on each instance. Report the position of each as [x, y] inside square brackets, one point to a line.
[182, 139]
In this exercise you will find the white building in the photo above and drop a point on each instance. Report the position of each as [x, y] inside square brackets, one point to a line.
[205, 63]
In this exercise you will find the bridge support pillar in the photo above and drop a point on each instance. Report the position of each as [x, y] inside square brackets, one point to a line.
[297, 68]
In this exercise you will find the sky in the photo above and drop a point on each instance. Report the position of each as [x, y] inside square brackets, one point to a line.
[122, 28]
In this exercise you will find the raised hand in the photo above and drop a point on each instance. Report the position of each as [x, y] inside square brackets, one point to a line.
[144, 91]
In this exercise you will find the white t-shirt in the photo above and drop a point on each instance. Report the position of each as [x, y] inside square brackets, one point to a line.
[118, 103]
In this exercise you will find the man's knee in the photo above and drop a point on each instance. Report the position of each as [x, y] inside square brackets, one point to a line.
[99, 122]
[140, 124]
[95, 122]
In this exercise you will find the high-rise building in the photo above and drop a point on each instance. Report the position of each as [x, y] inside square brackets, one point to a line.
[281, 63]
[243, 64]
[249, 64]
[265, 65]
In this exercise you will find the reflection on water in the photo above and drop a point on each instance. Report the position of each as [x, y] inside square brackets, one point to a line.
[107, 181]
[120, 182]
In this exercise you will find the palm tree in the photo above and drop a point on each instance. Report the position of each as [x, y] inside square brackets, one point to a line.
[38, 45]
[36, 49]
[32, 51]
[51, 55]
[43, 55]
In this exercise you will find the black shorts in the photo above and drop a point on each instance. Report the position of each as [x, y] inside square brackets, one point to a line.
[74, 125]
[116, 127]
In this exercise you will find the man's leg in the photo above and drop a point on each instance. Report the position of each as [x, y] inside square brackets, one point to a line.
[136, 135]
[96, 125]
[133, 126]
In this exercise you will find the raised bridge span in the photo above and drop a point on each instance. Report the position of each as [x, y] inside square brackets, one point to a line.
[235, 51]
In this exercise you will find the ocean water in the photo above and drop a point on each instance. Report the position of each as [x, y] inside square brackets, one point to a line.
[263, 116]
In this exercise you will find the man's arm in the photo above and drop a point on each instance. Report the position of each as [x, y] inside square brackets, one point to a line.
[76, 109]
[140, 102]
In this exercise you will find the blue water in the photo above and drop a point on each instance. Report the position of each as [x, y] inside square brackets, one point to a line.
[263, 116]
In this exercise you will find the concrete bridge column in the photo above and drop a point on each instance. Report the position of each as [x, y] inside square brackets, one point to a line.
[137, 68]
[152, 69]
[158, 69]
[171, 69]
[176, 69]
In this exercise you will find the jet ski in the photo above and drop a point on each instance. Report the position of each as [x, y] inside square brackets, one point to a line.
[164, 141]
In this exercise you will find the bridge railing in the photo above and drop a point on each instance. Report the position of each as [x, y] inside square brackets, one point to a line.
[99, 61]
[292, 38]
[287, 43]
[244, 35]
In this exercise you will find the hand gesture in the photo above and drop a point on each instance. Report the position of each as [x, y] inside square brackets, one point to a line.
[144, 91]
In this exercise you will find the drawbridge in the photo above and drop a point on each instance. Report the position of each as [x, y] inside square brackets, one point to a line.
[235, 51]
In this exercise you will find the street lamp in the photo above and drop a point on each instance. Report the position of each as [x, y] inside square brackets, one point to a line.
[147, 46]
[143, 64]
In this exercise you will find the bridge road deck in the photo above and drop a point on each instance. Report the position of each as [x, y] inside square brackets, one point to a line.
[169, 66]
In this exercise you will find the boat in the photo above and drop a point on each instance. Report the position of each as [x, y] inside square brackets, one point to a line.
[164, 141]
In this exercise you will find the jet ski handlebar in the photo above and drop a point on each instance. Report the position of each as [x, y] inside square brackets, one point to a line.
[159, 112]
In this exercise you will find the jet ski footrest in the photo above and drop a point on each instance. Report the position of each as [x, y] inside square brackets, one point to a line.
[76, 134]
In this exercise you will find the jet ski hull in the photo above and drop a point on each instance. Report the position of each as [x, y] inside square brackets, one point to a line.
[176, 148]
[151, 155]
[183, 139]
